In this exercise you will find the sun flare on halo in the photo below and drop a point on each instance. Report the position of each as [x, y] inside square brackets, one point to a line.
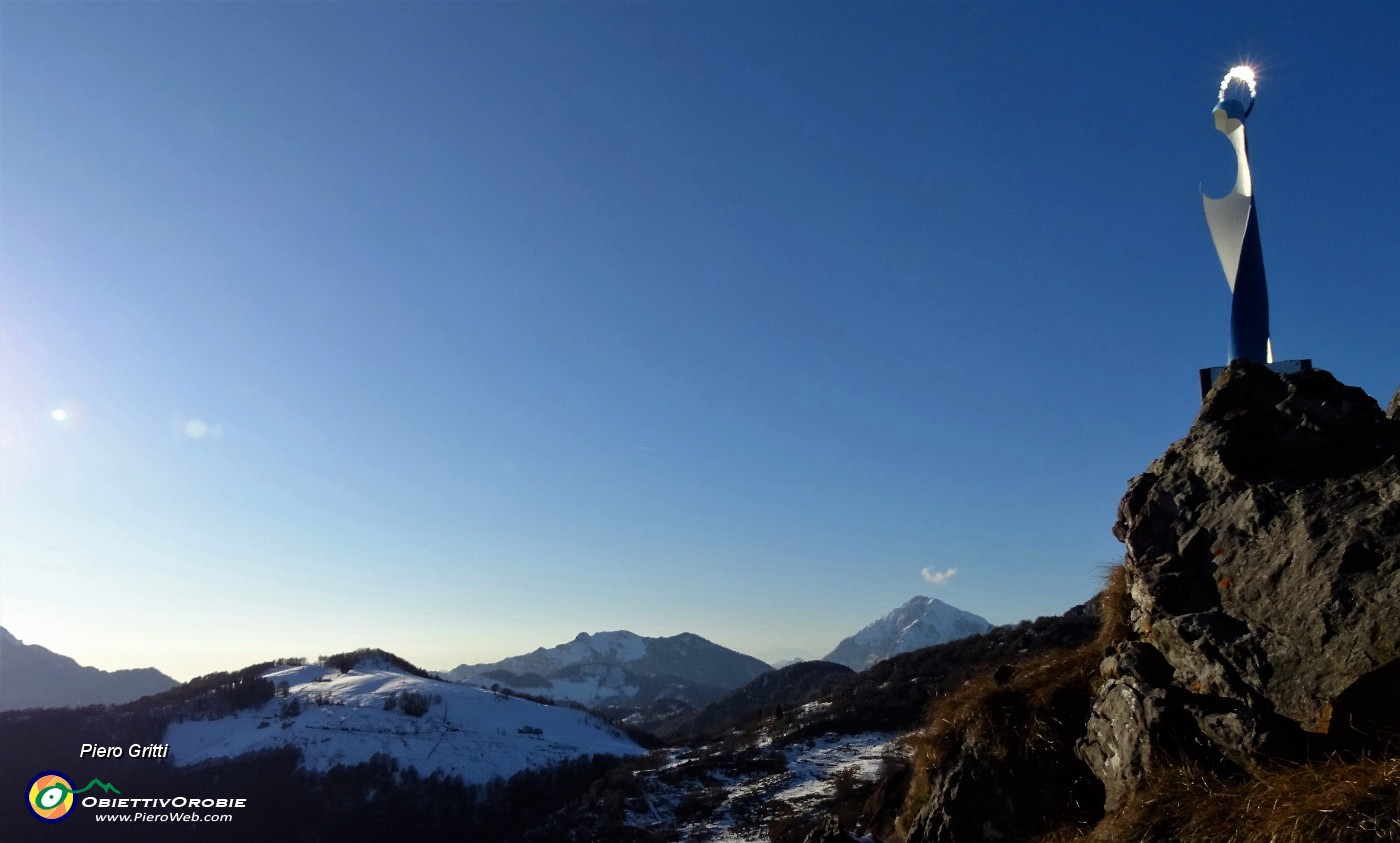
[1242, 73]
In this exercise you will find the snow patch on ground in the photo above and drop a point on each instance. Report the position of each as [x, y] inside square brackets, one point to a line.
[618, 646]
[737, 809]
[590, 690]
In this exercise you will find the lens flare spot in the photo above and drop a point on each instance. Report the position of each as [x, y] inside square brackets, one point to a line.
[196, 429]
[58, 414]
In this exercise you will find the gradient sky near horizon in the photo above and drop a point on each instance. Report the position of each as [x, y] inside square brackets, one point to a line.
[459, 328]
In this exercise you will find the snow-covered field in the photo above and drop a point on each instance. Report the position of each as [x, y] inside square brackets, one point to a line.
[745, 803]
[468, 732]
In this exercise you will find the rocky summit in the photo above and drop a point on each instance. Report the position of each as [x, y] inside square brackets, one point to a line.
[1263, 576]
[1244, 682]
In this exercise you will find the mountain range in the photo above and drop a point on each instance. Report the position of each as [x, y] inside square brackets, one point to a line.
[35, 677]
[613, 670]
[620, 669]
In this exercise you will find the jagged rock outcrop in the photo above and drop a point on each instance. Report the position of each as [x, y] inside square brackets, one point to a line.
[1263, 569]
[1254, 621]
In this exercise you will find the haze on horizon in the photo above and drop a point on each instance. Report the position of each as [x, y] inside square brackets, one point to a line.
[458, 329]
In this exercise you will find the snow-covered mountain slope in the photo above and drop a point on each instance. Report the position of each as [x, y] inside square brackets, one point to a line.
[345, 718]
[34, 677]
[620, 668]
[922, 622]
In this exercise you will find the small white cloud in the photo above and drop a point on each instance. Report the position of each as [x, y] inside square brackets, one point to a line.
[196, 429]
[939, 577]
[69, 414]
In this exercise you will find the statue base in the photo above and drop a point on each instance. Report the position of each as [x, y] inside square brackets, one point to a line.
[1283, 367]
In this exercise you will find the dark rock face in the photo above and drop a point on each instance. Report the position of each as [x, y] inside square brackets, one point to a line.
[1263, 565]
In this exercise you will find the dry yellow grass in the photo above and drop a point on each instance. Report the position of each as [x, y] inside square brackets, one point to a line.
[1335, 802]
[1004, 719]
[1115, 607]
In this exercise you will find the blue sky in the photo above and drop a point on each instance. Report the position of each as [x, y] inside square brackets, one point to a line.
[457, 329]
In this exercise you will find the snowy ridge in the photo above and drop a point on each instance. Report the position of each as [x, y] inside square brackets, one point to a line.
[341, 718]
[614, 648]
[922, 622]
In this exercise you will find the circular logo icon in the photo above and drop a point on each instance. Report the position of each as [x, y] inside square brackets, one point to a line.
[50, 796]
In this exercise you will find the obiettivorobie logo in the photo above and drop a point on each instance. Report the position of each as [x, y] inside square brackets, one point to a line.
[52, 798]
[51, 795]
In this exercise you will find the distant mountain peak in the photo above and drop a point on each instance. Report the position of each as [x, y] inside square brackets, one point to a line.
[919, 602]
[36, 677]
[620, 668]
[920, 622]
